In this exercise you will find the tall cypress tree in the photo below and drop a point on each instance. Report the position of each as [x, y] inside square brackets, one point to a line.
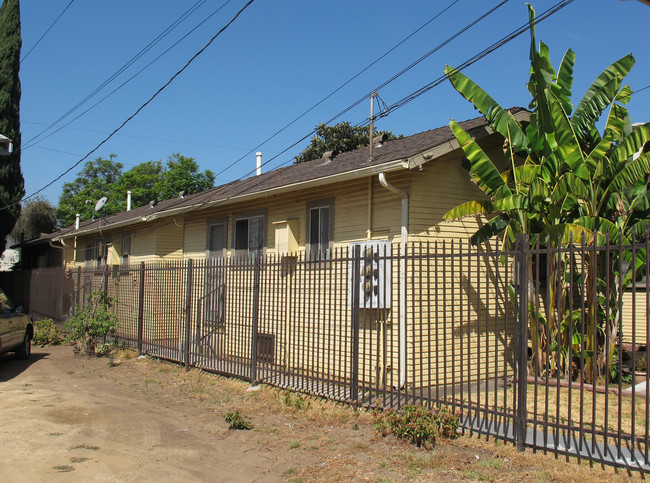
[11, 177]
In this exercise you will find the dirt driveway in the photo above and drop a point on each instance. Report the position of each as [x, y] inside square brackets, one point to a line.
[67, 418]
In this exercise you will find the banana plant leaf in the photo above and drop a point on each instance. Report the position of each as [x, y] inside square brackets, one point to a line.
[483, 171]
[498, 118]
[600, 94]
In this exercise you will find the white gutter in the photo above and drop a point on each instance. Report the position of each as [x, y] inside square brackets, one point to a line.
[402, 276]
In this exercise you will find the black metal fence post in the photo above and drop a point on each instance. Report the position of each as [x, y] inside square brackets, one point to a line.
[78, 290]
[522, 343]
[355, 281]
[188, 313]
[105, 280]
[141, 309]
[255, 318]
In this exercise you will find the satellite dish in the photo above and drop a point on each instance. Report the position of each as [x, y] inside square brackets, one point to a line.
[100, 204]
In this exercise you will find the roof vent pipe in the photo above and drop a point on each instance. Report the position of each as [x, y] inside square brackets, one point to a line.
[77, 221]
[128, 201]
[259, 162]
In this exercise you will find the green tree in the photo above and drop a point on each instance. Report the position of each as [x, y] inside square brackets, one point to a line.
[37, 216]
[147, 181]
[96, 180]
[143, 180]
[566, 183]
[11, 178]
[182, 174]
[340, 138]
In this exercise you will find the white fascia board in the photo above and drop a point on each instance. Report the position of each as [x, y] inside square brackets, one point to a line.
[88, 231]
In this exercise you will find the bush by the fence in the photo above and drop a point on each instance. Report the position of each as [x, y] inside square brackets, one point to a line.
[418, 424]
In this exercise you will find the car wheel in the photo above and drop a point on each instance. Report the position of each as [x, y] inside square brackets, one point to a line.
[25, 349]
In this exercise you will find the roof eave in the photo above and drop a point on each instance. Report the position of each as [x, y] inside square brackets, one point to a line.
[335, 178]
[85, 231]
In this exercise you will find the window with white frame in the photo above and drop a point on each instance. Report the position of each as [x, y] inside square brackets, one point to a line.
[126, 249]
[319, 229]
[248, 236]
[216, 239]
[96, 253]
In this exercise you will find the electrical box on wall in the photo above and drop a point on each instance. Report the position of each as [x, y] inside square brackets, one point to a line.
[374, 278]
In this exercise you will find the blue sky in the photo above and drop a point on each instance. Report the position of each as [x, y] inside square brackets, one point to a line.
[277, 60]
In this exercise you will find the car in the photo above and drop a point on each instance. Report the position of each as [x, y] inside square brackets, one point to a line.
[16, 329]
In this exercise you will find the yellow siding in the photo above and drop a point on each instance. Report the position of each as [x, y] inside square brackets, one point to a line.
[441, 186]
[635, 317]
[169, 240]
[194, 238]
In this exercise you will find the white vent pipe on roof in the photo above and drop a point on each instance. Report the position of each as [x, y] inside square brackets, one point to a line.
[128, 201]
[259, 162]
[77, 221]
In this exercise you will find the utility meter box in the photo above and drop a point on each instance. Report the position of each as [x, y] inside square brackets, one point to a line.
[374, 277]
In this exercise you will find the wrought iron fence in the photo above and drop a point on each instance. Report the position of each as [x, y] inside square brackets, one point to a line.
[536, 345]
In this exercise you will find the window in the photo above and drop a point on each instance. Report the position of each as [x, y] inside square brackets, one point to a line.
[319, 219]
[126, 249]
[216, 243]
[90, 254]
[249, 236]
[96, 253]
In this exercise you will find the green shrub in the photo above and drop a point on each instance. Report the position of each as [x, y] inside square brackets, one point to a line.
[418, 424]
[237, 421]
[46, 333]
[92, 323]
[295, 401]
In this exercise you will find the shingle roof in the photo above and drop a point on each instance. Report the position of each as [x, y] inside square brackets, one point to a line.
[295, 174]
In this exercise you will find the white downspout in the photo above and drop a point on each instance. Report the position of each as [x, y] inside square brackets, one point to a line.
[402, 276]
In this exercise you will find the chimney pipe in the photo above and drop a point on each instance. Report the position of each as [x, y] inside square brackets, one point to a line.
[128, 201]
[259, 162]
[77, 221]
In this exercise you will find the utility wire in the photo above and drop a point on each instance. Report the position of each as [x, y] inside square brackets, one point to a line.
[161, 89]
[119, 71]
[45, 33]
[500, 43]
[384, 84]
[418, 61]
[339, 87]
[496, 45]
[203, 199]
[137, 73]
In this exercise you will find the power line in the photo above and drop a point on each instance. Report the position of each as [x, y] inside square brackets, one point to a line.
[135, 136]
[202, 199]
[48, 29]
[161, 89]
[384, 84]
[314, 106]
[500, 43]
[418, 61]
[119, 71]
[137, 73]
[361, 99]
